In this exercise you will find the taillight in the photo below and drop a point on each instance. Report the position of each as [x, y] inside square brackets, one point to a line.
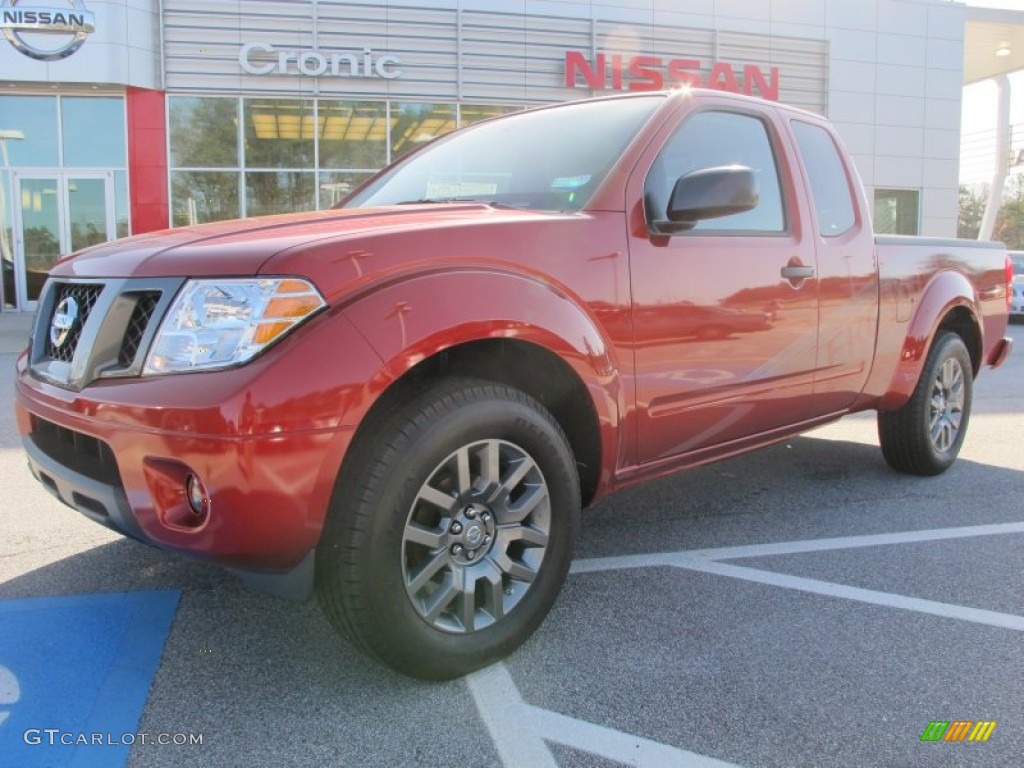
[1009, 283]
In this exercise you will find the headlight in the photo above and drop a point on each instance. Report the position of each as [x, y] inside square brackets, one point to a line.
[222, 322]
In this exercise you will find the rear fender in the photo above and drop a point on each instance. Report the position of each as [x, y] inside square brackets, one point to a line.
[946, 292]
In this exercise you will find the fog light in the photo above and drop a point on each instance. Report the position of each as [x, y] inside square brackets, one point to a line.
[197, 498]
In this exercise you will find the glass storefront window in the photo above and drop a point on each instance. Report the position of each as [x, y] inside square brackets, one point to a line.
[334, 185]
[87, 212]
[270, 192]
[203, 132]
[35, 117]
[122, 211]
[198, 197]
[93, 131]
[285, 143]
[474, 113]
[353, 134]
[414, 124]
[897, 211]
[279, 133]
[40, 230]
[7, 239]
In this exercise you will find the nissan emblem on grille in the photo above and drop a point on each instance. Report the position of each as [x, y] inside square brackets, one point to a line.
[63, 321]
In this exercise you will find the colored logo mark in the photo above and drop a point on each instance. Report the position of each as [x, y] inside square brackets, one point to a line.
[958, 730]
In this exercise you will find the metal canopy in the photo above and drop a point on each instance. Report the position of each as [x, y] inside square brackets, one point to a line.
[989, 31]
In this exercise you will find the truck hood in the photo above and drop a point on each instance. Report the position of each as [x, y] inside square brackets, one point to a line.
[242, 247]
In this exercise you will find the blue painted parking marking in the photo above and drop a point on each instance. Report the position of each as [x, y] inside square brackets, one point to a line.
[75, 673]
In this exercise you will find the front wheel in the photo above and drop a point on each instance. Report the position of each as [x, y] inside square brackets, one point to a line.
[452, 531]
[924, 436]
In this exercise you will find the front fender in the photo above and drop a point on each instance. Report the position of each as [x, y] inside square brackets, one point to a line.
[947, 291]
[409, 321]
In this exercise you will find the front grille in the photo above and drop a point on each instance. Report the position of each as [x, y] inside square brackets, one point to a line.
[104, 335]
[141, 315]
[85, 295]
[78, 452]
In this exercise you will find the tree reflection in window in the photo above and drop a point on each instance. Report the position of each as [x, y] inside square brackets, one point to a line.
[415, 124]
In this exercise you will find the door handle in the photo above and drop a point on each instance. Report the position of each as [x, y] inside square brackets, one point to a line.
[797, 273]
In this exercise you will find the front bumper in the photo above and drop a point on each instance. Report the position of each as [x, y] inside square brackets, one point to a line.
[266, 439]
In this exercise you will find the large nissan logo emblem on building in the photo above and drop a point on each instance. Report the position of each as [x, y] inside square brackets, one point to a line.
[63, 321]
[26, 24]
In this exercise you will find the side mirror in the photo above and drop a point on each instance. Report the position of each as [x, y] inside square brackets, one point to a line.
[709, 193]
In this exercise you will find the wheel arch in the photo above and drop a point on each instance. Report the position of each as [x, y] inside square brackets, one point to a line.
[510, 329]
[948, 303]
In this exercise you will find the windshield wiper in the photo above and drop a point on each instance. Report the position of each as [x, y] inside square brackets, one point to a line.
[438, 200]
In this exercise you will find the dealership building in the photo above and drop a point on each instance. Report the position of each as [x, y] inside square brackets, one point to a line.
[121, 117]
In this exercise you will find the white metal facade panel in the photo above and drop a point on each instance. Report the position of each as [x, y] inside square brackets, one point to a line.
[447, 54]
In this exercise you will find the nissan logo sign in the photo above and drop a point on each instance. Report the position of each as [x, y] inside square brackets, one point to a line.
[69, 25]
[63, 321]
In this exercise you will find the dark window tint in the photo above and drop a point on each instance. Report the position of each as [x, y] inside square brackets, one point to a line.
[829, 185]
[711, 139]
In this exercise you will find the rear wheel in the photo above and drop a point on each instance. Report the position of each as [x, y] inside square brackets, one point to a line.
[924, 436]
[452, 531]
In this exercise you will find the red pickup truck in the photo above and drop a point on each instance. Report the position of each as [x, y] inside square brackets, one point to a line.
[405, 402]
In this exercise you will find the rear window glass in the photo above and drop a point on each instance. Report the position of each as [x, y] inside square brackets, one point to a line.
[829, 184]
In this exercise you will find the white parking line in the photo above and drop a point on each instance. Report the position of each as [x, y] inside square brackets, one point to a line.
[852, 542]
[791, 547]
[829, 589]
[519, 731]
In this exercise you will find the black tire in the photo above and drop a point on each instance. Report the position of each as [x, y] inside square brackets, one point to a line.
[924, 436]
[409, 524]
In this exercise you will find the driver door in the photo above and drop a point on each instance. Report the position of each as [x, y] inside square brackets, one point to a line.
[725, 314]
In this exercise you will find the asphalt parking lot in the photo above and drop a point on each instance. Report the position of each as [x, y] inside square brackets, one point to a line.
[800, 606]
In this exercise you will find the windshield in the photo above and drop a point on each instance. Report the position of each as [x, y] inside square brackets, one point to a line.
[1018, 263]
[548, 159]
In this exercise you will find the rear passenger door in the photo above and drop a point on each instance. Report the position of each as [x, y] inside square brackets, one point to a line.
[726, 314]
[847, 270]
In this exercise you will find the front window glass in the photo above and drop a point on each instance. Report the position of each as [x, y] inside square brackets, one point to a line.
[202, 196]
[204, 132]
[7, 238]
[336, 186]
[474, 113]
[122, 212]
[897, 211]
[279, 133]
[279, 192]
[353, 134]
[30, 126]
[1018, 263]
[414, 124]
[93, 130]
[710, 140]
[547, 159]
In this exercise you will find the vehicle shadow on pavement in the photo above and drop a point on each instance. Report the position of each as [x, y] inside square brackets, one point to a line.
[270, 680]
[808, 487]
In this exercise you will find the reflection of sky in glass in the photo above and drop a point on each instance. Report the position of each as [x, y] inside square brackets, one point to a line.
[93, 132]
[36, 117]
[121, 212]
